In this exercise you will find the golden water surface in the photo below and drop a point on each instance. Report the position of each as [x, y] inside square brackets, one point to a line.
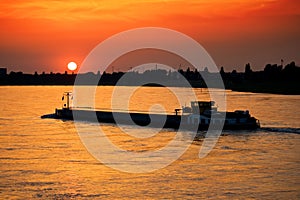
[45, 158]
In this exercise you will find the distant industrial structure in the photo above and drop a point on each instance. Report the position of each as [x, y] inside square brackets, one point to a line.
[3, 72]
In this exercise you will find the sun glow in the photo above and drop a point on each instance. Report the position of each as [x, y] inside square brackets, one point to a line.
[79, 25]
[72, 66]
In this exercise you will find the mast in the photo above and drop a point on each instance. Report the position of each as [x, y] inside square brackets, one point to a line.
[67, 94]
[68, 100]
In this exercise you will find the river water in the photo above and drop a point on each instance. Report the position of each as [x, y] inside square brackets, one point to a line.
[45, 158]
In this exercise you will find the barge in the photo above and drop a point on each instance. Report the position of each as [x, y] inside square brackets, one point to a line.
[200, 114]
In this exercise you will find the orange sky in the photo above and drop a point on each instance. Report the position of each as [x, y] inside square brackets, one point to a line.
[45, 35]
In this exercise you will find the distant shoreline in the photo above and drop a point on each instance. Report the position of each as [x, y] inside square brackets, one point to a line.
[274, 79]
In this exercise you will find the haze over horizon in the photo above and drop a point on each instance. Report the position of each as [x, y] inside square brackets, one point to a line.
[46, 35]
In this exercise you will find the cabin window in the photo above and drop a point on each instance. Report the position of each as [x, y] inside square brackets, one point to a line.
[243, 120]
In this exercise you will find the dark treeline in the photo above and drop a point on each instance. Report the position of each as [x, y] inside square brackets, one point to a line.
[273, 79]
[19, 78]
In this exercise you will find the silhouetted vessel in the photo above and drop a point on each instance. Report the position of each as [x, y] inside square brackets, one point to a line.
[205, 113]
[201, 114]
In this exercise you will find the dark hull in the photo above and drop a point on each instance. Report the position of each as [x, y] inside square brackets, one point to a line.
[143, 119]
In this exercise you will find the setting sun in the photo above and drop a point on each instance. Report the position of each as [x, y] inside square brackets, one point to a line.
[72, 66]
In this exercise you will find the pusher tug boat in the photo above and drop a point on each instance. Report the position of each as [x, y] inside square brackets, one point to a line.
[203, 114]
